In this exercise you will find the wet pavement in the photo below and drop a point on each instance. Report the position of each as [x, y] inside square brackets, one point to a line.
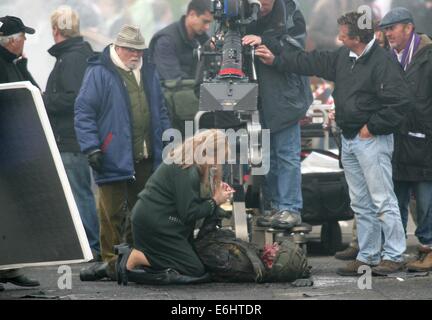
[327, 286]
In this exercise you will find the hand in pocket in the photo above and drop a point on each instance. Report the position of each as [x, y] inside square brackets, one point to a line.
[364, 133]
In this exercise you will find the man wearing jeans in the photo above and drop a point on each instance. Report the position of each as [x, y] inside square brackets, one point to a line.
[371, 98]
[284, 99]
[64, 83]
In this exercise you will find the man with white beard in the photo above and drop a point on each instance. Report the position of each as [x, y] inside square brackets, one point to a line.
[120, 117]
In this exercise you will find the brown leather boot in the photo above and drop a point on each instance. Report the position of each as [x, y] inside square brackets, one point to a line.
[387, 267]
[349, 253]
[352, 269]
[422, 264]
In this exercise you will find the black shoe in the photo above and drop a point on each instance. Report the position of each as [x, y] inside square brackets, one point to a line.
[22, 281]
[148, 276]
[123, 252]
[96, 272]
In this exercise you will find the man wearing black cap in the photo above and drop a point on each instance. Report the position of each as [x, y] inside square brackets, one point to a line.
[13, 65]
[13, 68]
[412, 161]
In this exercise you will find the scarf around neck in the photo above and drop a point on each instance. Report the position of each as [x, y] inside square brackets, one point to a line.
[117, 62]
[409, 51]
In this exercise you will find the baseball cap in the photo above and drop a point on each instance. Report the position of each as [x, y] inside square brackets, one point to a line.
[12, 25]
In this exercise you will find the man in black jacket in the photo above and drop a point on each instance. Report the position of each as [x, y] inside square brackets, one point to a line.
[13, 68]
[64, 83]
[412, 161]
[283, 183]
[371, 98]
[13, 64]
[171, 49]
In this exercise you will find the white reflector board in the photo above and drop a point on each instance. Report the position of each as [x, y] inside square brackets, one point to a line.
[39, 221]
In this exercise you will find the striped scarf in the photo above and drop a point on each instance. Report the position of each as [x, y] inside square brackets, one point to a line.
[409, 51]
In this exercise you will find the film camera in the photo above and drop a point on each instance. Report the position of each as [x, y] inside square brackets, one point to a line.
[230, 85]
[230, 81]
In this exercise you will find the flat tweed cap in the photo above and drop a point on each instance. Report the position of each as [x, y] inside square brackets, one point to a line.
[395, 16]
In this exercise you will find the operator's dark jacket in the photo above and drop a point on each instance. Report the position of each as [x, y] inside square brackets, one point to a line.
[371, 90]
[173, 52]
[284, 97]
[13, 70]
[63, 87]
[412, 160]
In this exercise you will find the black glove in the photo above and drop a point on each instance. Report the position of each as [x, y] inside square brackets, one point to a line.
[95, 160]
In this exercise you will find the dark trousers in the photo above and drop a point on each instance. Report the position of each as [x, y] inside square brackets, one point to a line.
[115, 202]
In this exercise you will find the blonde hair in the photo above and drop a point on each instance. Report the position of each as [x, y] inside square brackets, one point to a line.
[67, 21]
[205, 150]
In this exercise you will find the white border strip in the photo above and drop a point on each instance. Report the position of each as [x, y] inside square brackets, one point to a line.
[43, 117]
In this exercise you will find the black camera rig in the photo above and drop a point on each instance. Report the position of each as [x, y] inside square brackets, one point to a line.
[230, 84]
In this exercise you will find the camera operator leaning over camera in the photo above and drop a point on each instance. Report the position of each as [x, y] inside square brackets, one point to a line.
[371, 98]
[281, 93]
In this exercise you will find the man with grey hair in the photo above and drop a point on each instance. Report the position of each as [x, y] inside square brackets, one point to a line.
[64, 83]
[13, 68]
[13, 64]
[120, 117]
[412, 161]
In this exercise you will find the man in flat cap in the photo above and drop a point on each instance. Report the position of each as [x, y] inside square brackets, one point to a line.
[120, 117]
[13, 68]
[412, 160]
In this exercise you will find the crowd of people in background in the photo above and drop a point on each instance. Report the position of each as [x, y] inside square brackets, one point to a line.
[100, 20]
[117, 117]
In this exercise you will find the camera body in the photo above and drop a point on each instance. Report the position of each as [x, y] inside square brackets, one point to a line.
[230, 82]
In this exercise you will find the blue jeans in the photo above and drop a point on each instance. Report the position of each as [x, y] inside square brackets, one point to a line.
[78, 172]
[368, 171]
[423, 193]
[283, 183]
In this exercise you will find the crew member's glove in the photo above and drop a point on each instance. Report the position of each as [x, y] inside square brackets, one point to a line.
[95, 160]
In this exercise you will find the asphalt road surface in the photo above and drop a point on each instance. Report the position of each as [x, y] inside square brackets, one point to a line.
[327, 286]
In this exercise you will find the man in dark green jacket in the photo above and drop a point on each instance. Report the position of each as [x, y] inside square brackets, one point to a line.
[371, 98]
